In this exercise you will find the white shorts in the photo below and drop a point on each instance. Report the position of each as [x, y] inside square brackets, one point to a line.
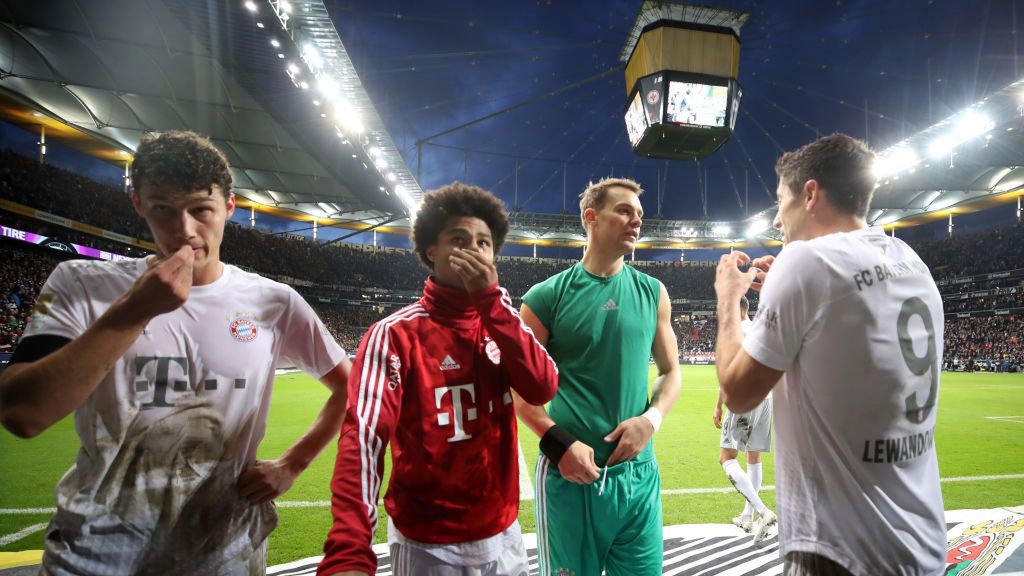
[750, 432]
[500, 555]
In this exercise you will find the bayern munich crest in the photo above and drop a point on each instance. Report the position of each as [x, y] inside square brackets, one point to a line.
[243, 330]
[493, 353]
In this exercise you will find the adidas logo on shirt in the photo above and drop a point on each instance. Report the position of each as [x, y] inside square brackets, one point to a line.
[449, 364]
[610, 305]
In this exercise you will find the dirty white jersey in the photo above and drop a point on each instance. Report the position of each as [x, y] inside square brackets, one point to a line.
[166, 434]
[856, 323]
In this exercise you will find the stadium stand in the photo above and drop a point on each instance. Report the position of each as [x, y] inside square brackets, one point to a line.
[21, 276]
[981, 275]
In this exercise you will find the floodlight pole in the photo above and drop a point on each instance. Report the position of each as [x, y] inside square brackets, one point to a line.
[746, 192]
[565, 168]
[866, 120]
[419, 162]
[42, 144]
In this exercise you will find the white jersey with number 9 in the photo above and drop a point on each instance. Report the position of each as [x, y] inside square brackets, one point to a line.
[856, 323]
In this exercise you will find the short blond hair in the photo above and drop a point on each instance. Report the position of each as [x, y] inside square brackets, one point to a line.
[595, 194]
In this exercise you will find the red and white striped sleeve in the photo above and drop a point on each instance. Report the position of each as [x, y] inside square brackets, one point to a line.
[532, 372]
[374, 407]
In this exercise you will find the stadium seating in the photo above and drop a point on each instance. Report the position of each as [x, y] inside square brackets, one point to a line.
[353, 286]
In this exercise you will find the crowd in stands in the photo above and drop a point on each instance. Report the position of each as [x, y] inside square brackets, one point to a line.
[992, 343]
[21, 276]
[381, 280]
[26, 181]
[348, 323]
[48, 188]
[971, 254]
[1014, 300]
[696, 337]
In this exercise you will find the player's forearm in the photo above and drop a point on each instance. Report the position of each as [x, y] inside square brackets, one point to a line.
[35, 395]
[666, 390]
[727, 347]
[535, 417]
[325, 428]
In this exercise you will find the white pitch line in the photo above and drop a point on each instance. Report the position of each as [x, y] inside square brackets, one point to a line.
[27, 511]
[5, 540]
[1013, 419]
[667, 492]
[301, 504]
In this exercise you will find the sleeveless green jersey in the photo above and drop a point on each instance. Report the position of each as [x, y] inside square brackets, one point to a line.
[601, 330]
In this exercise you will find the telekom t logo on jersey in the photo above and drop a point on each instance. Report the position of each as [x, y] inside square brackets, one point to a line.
[463, 395]
[444, 418]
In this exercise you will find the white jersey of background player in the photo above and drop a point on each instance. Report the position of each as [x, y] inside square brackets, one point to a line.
[854, 320]
[168, 363]
[750, 433]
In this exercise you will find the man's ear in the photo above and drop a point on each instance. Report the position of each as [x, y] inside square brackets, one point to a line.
[430, 253]
[136, 202]
[812, 195]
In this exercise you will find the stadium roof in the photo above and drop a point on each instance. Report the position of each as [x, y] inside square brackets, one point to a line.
[118, 69]
[524, 99]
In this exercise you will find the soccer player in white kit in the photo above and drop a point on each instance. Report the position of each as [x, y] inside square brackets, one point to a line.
[750, 433]
[851, 321]
[167, 363]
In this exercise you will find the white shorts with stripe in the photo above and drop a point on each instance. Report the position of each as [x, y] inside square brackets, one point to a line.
[750, 432]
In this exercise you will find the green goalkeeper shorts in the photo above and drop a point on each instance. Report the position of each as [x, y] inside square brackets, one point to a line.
[613, 525]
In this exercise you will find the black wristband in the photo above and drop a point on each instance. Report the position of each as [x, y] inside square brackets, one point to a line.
[555, 442]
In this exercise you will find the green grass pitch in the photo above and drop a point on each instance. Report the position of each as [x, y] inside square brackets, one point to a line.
[969, 443]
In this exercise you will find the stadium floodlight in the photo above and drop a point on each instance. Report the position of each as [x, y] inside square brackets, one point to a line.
[720, 231]
[391, 177]
[756, 227]
[275, 43]
[406, 199]
[251, 6]
[380, 163]
[896, 161]
[347, 116]
[292, 69]
[972, 123]
[312, 56]
[941, 146]
[259, 24]
[328, 87]
[285, 6]
[374, 151]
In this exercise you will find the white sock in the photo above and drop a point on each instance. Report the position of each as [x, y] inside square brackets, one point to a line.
[742, 483]
[754, 474]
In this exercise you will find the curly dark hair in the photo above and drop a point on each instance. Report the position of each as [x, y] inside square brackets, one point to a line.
[451, 201]
[180, 160]
[843, 167]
